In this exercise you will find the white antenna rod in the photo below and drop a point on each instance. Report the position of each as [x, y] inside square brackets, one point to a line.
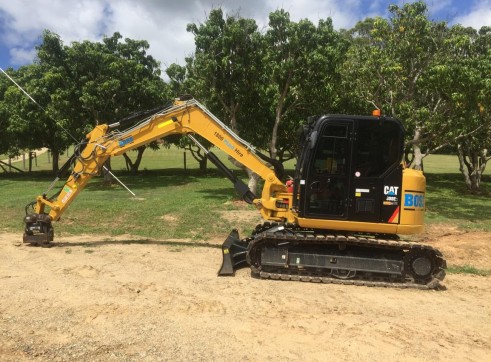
[58, 123]
[117, 179]
[22, 89]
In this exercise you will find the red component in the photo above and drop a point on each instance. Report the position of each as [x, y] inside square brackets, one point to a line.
[289, 186]
[395, 216]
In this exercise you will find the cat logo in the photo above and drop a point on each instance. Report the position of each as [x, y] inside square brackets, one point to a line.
[391, 190]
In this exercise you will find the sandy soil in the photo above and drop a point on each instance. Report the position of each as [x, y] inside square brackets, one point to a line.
[107, 299]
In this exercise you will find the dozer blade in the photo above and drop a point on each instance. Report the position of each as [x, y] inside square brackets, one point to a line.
[234, 253]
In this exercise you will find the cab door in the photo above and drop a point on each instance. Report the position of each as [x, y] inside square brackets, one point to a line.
[376, 170]
[325, 191]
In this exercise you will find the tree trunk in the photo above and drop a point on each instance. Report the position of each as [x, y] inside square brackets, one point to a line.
[134, 166]
[472, 164]
[203, 164]
[56, 159]
[253, 181]
[279, 115]
[274, 135]
[30, 160]
[253, 177]
[198, 156]
[105, 171]
[417, 161]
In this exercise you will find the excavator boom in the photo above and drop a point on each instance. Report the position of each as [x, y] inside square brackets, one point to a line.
[183, 117]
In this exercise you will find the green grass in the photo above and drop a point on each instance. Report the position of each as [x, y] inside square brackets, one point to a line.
[441, 164]
[468, 269]
[449, 201]
[176, 203]
[169, 204]
[173, 203]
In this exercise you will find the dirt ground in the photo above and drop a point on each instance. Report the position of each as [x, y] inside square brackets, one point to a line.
[117, 299]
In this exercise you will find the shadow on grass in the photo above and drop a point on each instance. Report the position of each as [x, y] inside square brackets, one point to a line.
[135, 241]
[221, 192]
[448, 196]
[153, 179]
[147, 179]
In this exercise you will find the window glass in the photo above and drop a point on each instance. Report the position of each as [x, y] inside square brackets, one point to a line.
[327, 188]
[330, 155]
[377, 148]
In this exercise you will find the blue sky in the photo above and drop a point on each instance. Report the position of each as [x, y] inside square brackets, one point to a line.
[163, 22]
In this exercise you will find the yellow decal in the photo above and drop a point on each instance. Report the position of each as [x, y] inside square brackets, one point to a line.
[166, 123]
[225, 251]
[358, 194]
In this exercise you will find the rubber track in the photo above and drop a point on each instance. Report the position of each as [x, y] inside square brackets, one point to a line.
[434, 284]
[289, 235]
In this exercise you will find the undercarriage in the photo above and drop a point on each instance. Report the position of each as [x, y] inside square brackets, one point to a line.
[287, 252]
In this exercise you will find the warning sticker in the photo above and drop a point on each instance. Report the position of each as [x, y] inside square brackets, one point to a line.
[68, 194]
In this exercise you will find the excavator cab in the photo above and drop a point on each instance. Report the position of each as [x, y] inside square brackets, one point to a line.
[345, 162]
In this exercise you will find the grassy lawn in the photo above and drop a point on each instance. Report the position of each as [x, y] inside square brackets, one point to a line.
[176, 203]
[170, 202]
[173, 203]
[448, 200]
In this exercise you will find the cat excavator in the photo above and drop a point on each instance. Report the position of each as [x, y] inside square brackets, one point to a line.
[337, 221]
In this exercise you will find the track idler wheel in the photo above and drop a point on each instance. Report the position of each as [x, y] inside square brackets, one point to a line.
[420, 264]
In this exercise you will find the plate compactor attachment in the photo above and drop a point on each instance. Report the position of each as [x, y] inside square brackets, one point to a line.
[38, 229]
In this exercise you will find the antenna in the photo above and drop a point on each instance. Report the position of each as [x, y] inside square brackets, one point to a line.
[65, 130]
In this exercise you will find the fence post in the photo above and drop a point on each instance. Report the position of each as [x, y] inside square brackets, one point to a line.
[185, 163]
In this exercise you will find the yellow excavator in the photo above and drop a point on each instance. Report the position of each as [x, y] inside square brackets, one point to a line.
[337, 221]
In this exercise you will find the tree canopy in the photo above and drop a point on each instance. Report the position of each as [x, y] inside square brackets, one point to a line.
[265, 83]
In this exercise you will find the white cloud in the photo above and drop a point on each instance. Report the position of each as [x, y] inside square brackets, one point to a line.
[161, 22]
[480, 15]
[344, 13]
[166, 33]
[22, 56]
[72, 20]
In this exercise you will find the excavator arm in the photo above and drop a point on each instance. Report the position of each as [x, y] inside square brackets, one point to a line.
[184, 117]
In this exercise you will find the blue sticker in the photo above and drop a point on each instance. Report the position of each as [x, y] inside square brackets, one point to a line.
[229, 145]
[413, 200]
[126, 141]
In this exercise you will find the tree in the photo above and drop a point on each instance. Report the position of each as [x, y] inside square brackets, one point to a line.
[4, 115]
[224, 72]
[463, 81]
[92, 82]
[29, 125]
[300, 75]
[177, 79]
[388, 67]
[224, 69]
